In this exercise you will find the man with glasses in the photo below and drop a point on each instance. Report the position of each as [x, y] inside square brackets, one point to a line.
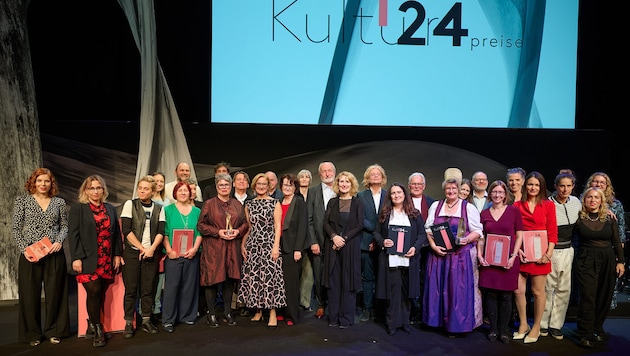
[479, 194]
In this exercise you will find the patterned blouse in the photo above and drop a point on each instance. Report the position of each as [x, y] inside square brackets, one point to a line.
[104, 267]
[31, 223]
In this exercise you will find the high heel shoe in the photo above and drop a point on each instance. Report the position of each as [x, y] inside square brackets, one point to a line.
[521, 336]
[274, 325]
[273, 319]
[257, 318]
[531, 340]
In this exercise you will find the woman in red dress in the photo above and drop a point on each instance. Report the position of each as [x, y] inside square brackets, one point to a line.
[539, 213]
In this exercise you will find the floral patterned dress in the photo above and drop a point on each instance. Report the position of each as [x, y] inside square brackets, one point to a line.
[262, 283]
[104, 268]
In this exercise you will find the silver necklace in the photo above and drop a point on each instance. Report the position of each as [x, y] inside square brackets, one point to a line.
[588, 216]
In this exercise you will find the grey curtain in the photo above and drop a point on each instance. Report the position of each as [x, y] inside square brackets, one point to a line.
[162, 140]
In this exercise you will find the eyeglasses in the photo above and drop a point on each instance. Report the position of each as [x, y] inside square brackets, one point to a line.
[416, 184]
[95, 189]
[497, 193]
[223, 185]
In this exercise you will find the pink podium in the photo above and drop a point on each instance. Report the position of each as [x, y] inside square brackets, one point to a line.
[113, 318]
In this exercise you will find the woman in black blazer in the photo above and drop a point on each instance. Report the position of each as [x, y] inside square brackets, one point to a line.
[343, 225]
[395, 283]
[95, 249]
[292, 243]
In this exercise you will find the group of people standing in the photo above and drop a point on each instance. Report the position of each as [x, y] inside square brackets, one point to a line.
[271, 249]
[589, 224]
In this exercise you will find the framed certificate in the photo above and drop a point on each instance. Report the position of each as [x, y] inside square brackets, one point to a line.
[497, 251]
[183, 240]
[534, 244]
[38, 250]
[443, 236]
[402, 239]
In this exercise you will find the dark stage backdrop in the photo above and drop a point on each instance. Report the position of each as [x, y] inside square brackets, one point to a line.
[287, 149]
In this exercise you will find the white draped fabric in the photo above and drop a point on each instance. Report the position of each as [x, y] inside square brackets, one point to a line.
[162, 141]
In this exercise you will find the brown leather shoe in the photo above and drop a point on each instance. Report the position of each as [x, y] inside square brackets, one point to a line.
[319, 313]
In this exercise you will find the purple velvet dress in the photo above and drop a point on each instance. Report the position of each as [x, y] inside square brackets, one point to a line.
[451, 297]
[495, 277]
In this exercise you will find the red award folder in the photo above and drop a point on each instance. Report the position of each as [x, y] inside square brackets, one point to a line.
[38, 250]
[534, 244]
[183, 240]
[497, 250]
[402, 240]
[443, 236]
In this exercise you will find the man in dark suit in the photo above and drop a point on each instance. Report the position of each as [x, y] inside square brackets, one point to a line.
[417, 184]
[318, 197]
[374, 179]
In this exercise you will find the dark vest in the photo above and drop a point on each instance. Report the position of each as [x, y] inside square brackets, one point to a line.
[139, 218]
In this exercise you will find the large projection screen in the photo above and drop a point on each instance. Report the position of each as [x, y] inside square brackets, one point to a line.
[431, 63]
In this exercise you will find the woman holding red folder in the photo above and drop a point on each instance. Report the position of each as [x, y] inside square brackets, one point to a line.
[41, 214]
[181, 268]
[500, 281]
[539, 213]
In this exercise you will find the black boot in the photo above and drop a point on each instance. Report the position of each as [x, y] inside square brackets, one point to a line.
[99, 336]
[89, 333]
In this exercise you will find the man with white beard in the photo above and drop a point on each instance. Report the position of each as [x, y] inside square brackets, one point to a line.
[318, 197]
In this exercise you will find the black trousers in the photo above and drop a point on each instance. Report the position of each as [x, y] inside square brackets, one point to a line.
[51, 270]
[292, 271]
[342, 301]
[317, 261]
[399, 305]
[498, 307]
[139, 276]
[211, 293]
[596, 278]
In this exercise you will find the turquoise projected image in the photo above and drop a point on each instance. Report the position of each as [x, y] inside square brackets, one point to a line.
[469, 63]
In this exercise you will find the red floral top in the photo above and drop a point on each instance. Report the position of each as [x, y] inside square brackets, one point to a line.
[104, 267]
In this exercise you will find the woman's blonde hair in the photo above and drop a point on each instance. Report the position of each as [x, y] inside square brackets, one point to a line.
[354, 189]
[366, 175]
[257, 177]
[609, 191]
[83, 195]
[602, 212]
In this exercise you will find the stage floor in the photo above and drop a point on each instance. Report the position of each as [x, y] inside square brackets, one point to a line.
[313, 337]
